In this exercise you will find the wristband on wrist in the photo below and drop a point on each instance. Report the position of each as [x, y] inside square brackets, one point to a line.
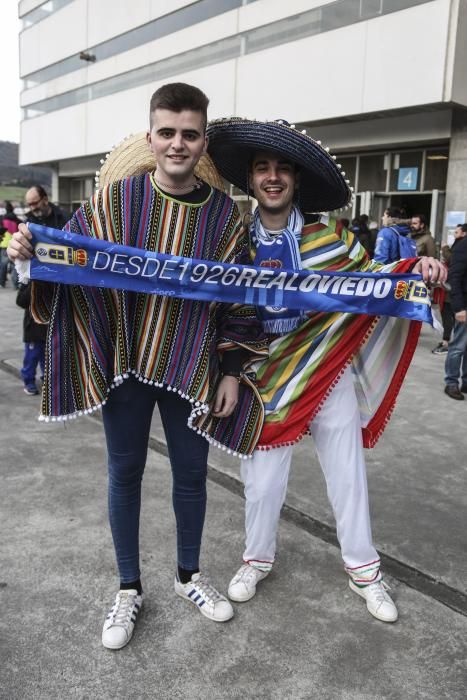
[232, 373]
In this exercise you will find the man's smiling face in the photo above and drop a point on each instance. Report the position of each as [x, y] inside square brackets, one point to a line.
[273, 179]
[178, 141]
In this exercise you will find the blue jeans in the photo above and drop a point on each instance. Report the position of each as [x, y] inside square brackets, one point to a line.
[127, 420]
[34, 354]
[457, 356]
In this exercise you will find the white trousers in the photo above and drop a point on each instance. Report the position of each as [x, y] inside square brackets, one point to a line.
[337, 435]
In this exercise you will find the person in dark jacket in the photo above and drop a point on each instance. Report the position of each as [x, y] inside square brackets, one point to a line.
[34, 336]
[10, 224]
[361, 229]
[422, 236]
[43, 212]
[444, 297]
[456, 359]
[393, 241]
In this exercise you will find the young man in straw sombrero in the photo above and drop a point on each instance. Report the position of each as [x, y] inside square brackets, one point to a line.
[320, 377]
[127, 351]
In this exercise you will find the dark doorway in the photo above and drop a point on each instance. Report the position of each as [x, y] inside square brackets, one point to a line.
[413, 204]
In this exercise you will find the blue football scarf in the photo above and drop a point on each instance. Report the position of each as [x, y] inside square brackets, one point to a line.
[70, 258]
[276, 252]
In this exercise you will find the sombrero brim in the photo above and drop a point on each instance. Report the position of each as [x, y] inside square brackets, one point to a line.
[134, 157]
[233, 141]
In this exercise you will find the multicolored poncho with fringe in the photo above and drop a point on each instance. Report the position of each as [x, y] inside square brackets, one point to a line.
[303, 365]
[98, 337]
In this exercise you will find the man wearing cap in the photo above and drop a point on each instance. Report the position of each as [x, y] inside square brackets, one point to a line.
[321, 376]
[126, 351]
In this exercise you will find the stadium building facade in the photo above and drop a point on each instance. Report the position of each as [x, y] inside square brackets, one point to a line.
[381, 82]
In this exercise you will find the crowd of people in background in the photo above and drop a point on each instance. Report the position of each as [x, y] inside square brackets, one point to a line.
[41, 211]
[401, 236]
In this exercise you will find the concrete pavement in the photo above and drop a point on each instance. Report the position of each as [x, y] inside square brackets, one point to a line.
[304, 636]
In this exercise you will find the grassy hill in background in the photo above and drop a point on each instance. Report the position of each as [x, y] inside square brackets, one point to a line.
[16, 179]
[13, 193]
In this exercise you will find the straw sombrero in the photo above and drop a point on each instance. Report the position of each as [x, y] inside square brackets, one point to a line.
[134, 157]
[232, 142]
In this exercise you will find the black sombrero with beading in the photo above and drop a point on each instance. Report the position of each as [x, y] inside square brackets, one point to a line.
[233, 141]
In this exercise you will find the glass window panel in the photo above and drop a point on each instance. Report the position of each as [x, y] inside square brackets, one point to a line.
[436, 169]
[289, 29]
[340, 14]
[372, 175]
[407, 159]
[77, 189]
[396, 5]
[370, 8]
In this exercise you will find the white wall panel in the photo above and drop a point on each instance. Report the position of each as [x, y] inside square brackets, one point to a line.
[304, 77]
[54, 136]
[107, 18]
[60, 35]
[405, 60]
[353, 70]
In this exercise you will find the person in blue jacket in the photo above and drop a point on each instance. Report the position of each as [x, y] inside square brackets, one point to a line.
[393, 241]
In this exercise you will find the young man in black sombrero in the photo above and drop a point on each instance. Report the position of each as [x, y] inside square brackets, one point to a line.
[335, 376]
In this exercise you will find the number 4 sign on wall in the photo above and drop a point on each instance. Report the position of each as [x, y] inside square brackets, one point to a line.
[407, 179]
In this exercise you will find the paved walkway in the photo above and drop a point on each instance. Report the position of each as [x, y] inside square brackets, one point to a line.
[304, 636]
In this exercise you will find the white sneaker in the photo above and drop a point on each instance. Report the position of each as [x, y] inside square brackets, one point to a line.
[378, 602]
[120, 622]
[210, 602]
[243, 585]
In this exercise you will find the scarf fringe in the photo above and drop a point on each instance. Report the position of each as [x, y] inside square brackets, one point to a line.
[211, 440]
[198, 410]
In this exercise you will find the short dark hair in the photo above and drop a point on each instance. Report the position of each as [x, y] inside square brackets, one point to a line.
[422, 218]
[463, 227]
[41, 191]
[394, 212]
[8, 207]
[177, 97]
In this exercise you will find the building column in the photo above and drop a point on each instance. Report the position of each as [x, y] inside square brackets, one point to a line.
[456, 186]
[55, 188]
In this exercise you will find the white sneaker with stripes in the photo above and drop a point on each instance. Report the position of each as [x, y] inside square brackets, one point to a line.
[378, 602]
[243, 585]
[202, 593]
[120, 622]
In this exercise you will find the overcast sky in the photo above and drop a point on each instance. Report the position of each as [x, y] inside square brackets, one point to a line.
[10, 83]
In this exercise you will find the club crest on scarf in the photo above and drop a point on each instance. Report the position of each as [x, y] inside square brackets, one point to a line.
[281, 250]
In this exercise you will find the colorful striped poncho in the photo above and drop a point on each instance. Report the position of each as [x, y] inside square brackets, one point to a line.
[97, 337]
[304, 365]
